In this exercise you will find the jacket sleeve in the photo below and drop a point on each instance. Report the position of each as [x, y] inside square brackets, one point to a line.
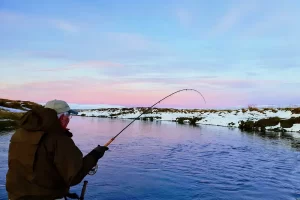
[70, 163]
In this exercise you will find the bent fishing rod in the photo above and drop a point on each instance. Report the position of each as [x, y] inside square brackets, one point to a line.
[113, 138]
[94, 170]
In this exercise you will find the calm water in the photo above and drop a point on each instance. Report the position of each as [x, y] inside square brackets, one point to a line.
[152, 160]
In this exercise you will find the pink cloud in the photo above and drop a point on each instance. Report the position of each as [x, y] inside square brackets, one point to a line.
[94, 91]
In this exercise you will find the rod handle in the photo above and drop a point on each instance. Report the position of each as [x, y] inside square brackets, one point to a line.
[110, 141]
[83, 190]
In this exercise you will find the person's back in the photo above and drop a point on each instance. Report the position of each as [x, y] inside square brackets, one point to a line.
[43, 160]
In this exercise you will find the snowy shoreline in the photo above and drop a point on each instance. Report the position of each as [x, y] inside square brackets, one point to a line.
[285, 119]
[226, 118]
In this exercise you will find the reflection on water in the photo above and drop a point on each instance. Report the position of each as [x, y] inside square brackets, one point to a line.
[165, 160]
[285, 138]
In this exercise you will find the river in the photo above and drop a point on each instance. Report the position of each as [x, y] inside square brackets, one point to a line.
[165, 160]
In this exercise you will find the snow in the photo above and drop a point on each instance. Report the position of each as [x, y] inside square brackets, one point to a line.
[218, 117]
[6, 120]
[11, 109]
[273, 127]
[25, 108]
[294, 128]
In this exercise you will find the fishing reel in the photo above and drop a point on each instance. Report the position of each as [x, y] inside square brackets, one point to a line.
[93, 170]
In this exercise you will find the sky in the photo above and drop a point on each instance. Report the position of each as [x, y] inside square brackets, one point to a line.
[133, 53]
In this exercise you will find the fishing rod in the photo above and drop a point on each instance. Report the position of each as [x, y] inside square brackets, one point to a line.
[94, 170]
[112, 139]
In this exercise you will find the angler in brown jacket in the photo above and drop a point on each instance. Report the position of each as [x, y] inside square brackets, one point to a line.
[43, 160]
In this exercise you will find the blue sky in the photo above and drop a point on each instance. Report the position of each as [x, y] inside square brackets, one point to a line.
[134, 52]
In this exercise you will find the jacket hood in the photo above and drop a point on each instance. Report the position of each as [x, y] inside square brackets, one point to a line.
[40, 119]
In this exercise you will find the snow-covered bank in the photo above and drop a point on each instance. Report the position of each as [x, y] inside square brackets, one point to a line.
[11, 109]
[280, 119]
[230, 118]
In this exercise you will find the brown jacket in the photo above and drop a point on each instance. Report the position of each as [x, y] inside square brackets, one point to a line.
[43, 160]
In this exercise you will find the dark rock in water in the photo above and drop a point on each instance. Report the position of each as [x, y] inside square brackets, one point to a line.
[246, 126]
[273, 121]
[296, 120]
[192, 121]
[261, 124]
[286, 123]
[231, 124]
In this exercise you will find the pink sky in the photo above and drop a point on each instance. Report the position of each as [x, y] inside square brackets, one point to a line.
[89, 91]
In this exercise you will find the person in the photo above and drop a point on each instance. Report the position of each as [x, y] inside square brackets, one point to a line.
[43, 160]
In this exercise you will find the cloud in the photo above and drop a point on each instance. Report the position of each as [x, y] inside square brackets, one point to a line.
[278, 22]
[284, 97]
[252, 73]
[125, 46]
[47, 54]
[96, 63]
[80, 90]
[42, 91]
[131, 41]
[64, 25]
[86, 90]
[99, 44]
[85, 65]
[234, 83]
[233, 17]
[21, 20]
[94, 91]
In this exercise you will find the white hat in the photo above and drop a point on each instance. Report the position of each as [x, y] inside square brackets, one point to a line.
[59, 106]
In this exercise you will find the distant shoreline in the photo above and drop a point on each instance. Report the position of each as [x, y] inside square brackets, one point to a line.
[249, 119]
[262, 119]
